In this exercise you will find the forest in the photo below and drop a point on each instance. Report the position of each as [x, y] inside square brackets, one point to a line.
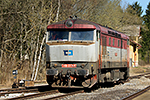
[23, 25]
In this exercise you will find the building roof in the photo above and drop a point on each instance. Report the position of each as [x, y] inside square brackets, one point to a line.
[131, 30]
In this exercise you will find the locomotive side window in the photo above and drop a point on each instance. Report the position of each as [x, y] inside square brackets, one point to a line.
[113, 42]
[82, 35]
[109, 41]
[58, 35]
[118, 43]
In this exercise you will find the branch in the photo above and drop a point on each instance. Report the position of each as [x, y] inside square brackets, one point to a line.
[12, 13]
[58, 11]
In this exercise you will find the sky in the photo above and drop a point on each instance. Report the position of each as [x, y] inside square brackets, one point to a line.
[142, 3]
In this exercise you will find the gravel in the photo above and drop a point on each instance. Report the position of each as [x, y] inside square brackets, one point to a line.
[117, 92]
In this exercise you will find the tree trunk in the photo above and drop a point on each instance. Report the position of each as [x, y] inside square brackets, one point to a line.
[49, 20]
[39, 57]
[35, 57]
[1, 57]
[58, 11]
[21, 58]
[40, 29]
[148, 56]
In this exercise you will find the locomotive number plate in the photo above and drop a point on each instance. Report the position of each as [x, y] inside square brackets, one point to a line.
[69, 65]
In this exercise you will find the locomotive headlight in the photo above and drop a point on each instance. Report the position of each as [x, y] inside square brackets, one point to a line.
[69, 23]
[55, 65]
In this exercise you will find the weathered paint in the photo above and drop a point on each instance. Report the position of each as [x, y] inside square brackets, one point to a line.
[75, 26]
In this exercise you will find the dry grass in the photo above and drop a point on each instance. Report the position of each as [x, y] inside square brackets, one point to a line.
[24, 72]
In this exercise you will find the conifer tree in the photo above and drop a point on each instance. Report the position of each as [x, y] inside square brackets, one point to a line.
[136, 9]
[146, 36]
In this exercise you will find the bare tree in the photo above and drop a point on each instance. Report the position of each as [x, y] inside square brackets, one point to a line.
[23, 24]
[58, 11]
[39, 57]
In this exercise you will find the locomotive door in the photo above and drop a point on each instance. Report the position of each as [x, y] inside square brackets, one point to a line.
[104, 50]
[99, 48]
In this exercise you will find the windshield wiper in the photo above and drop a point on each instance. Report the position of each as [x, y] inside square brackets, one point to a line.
[84, 37]
[63, 37]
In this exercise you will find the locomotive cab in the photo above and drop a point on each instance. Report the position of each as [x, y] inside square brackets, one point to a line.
[71, 56]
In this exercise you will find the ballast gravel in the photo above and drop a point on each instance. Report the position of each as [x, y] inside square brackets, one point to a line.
[117, 92]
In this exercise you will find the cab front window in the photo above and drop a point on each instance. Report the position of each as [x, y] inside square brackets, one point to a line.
[58, 35]
[82, 35]
[71, 35]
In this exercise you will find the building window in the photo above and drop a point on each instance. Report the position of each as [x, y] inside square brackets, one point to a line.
[109, 41]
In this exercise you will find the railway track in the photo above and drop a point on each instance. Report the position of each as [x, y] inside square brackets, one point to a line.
[130, 97]
[14, 89]
[46, 90]
[62, 96]
[20, 91]
[35, 95]
[147, 75]
[46, 95]
[24, 89]
[6, 93]
[40, 91]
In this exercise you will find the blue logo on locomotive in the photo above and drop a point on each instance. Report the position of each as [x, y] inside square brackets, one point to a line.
[68, 52]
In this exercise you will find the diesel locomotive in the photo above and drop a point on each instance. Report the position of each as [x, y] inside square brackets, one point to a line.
[83, 53]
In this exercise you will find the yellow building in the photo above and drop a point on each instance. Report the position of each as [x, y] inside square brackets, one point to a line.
[133, 31]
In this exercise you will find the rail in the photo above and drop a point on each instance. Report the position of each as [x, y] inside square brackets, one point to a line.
[34, 95]
[130, 97]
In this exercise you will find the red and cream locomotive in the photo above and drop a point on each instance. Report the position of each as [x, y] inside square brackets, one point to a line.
[83, 53]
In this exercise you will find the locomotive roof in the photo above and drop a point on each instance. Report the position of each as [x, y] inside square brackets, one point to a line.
[82, 24]
[77, 24]
[105, 30]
